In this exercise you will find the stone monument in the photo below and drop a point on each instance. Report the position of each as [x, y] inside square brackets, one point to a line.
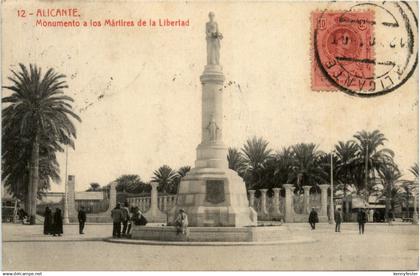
[212, 194]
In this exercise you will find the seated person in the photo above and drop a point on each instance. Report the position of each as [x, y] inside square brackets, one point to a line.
[138, 217]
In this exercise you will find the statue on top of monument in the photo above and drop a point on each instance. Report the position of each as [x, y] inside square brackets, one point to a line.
[213, 37]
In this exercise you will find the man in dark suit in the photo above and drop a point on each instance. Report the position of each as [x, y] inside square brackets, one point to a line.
[82, 219]
[361, 219]
[117, 218]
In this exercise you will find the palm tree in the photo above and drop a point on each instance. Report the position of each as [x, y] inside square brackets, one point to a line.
[415, 170]
[390, 175]
[347, 155]
[165, 176]
[404, 191]
[38, 114]
[255, 153]
[307, 167]
[408, 189]
[181, 173]
[15, 165]
[276, 170]
[371, 158]
[236, 161]
[282, 162]
[93, 187]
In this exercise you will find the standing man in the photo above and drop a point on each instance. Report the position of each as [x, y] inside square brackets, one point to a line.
[361, 219]
[313, 218]
[82, 219]
[116, 215]
[125, 217]
[338, 218]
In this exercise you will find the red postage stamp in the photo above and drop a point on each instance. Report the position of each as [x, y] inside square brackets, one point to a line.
[342, 50]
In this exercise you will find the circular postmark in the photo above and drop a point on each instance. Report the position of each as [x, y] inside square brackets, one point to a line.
[366, 49]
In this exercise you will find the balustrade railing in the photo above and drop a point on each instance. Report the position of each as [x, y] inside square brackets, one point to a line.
[164, 202]
[290, 207]
[287, 206]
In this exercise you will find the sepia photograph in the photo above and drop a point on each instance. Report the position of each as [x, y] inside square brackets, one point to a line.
[209, 136]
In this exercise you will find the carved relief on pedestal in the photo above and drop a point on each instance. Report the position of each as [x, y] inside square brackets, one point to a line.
[213, 130]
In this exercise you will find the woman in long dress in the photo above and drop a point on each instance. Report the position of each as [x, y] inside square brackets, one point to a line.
[47, 221]
[58, 223]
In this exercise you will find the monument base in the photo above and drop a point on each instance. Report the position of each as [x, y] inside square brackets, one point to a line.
[214, 197]
[213, 234]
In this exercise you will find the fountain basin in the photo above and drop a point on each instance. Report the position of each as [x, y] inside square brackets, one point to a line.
[213, 234]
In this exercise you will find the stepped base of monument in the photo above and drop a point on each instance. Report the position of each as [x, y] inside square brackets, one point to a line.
[214, 197]
[213, 234]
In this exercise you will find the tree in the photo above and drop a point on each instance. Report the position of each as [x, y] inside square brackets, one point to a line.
[281, 164]
[236, 161]
[415, 170]
[165, 176]
[37, 116]
[389, 174]
[371, 158]
[131, 183]
[93, 187]
[255, 153]
[307, 167]
[346, 156]
[408, 188]
[404, 191]
[182, 172]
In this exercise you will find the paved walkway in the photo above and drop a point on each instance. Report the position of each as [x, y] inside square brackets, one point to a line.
[383, 247]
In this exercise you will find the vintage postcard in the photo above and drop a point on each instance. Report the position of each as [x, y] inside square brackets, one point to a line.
[209, 136]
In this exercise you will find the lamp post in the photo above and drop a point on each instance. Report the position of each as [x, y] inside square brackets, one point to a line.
[366, 166]
[367, 174]
[332, 191]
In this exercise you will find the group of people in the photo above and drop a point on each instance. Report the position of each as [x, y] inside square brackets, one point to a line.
[125, 216]
[23, 216]
[53, 222]
[361, 220]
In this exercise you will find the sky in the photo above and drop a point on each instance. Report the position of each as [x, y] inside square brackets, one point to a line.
[138, 92]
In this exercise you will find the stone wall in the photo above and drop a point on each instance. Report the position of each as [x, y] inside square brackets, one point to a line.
[105, 216]
[154, 207]
[279, 204]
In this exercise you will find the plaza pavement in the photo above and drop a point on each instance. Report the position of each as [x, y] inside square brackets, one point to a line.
[383, 247]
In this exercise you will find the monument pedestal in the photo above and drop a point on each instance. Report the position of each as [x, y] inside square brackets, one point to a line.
[214, 197]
